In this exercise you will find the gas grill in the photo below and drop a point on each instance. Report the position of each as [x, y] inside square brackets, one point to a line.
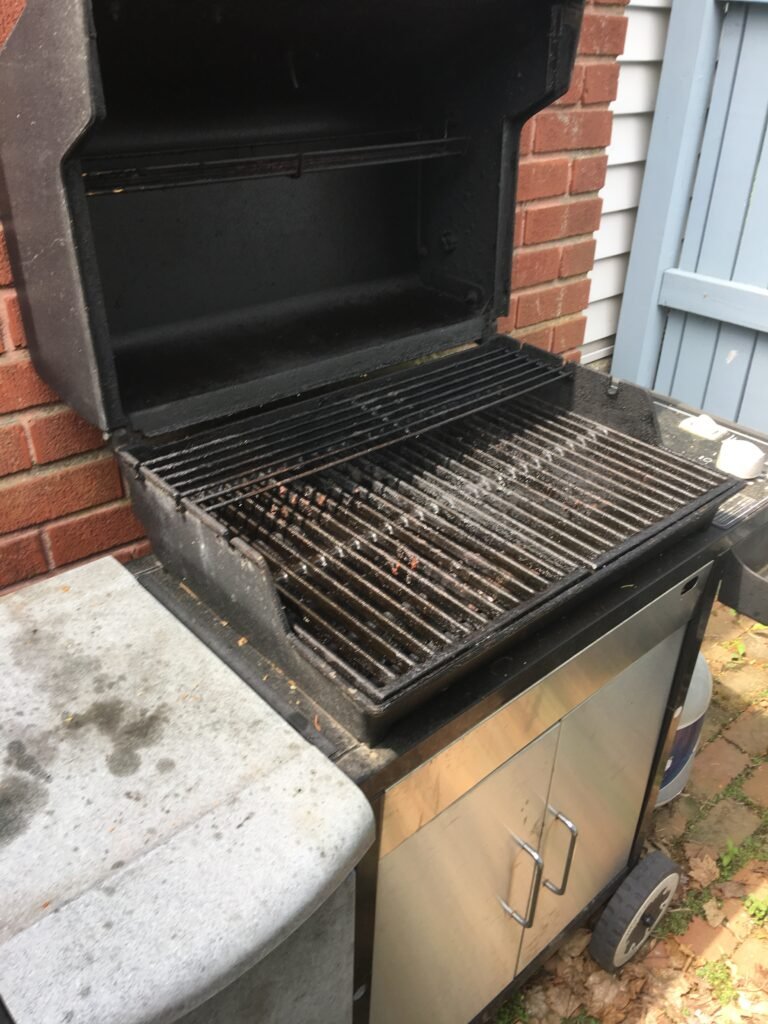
[418, 520]
[266, 251]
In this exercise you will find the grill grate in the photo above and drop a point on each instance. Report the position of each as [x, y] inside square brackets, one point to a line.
[404, 519]
[322, 432]
[397, 556]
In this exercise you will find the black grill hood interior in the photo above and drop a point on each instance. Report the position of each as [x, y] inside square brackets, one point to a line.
[241, 201]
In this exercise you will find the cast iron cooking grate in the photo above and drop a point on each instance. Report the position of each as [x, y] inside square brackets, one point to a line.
[221, 465]
[403, 525]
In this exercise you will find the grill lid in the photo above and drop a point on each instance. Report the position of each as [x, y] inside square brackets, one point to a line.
[235, 202]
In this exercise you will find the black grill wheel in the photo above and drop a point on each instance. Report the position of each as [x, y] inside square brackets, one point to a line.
[634, 910]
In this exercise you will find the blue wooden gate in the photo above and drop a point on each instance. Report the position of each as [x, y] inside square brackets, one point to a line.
[694, 318]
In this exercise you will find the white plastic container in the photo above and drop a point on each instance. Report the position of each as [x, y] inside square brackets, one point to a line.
[741, 458]
[689, 724]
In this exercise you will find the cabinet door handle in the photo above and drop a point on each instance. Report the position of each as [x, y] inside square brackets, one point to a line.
[558, 890]
[533, 895]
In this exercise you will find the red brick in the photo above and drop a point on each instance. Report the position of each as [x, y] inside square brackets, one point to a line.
[750, 732]
[519, 228]
[506, 324]
[14, 451]
[44, 494]
[601, 80]
[534, 266]
[9, 14]
[21, 557]
[553, 301]
[574, 89]
[707, 942]
[602, 34]
[20, 386]
[583, 216]
[128, 552]
[751, 960]
[546, 223]
[715, 766]
[572, 129]
[568, 335]
[588, 173]
[551, 221]
[540, 337]
[577, 258]
[756, 787]
[86, 533]
[5, 263]
[526, 137]
[11, 327]
[59, 433]
[574, 356]
[538, 178]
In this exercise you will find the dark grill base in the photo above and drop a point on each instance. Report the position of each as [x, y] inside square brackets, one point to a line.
[407, 522]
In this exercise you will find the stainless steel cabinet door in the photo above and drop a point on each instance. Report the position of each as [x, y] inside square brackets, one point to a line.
[604, 758]
[444, 944]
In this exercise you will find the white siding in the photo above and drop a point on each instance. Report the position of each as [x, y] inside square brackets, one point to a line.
[633, 113]
[638, 85]
[622, 187]
[615, 235]
[608, 277]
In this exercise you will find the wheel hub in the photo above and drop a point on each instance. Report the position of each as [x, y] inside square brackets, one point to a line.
[644, 920]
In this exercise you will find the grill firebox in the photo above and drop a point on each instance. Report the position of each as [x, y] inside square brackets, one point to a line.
[422, 514]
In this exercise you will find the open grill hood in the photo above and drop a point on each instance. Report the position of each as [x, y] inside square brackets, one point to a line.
[235, 202]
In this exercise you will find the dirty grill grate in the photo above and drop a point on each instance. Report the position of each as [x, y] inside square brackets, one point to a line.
[392, 558]
[391, 552]
[321, 432]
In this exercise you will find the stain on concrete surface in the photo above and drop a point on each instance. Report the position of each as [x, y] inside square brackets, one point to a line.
[20, 800]
[20, 758]
[128, 735]
[105, 715]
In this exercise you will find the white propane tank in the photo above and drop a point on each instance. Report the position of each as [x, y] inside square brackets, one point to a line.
[689, 724]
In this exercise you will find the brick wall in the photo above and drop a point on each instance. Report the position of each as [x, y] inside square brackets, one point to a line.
[61, 497]
[562, 168]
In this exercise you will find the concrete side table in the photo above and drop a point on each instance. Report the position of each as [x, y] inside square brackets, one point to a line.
[162, 830]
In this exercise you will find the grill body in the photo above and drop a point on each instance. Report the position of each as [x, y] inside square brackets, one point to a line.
[380, 540]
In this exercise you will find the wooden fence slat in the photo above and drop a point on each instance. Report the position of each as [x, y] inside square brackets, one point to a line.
[711, 145]
[684, 93]
[733, 362]
[727, 201]
[754, 403]
[729, 371]
[745, 305]
[719, 199]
